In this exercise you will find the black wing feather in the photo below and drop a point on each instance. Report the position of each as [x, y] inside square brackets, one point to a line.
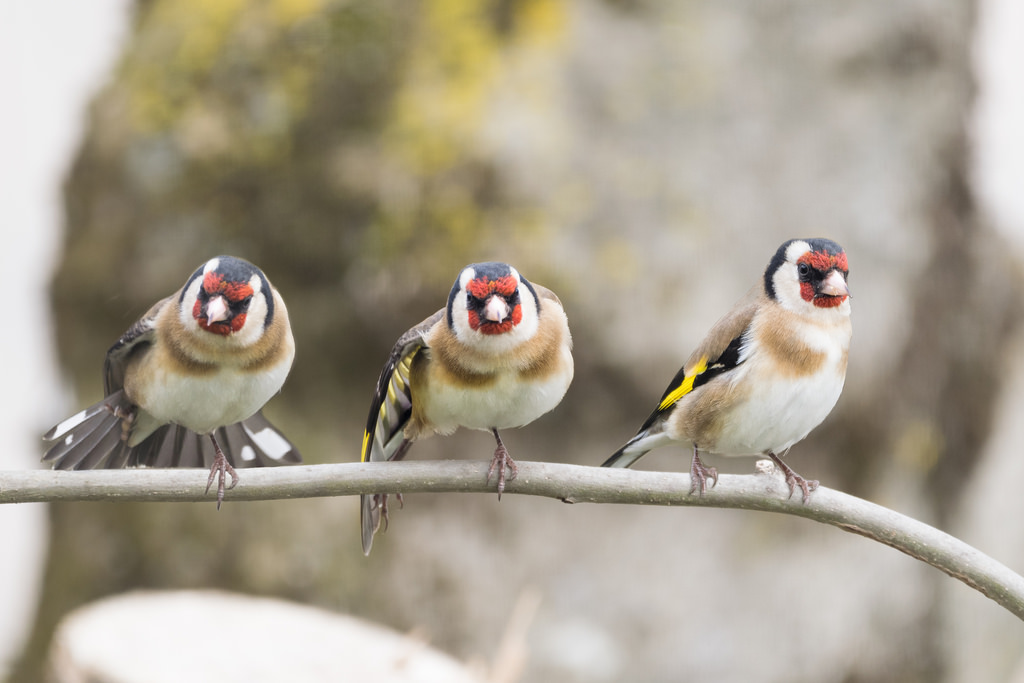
[135, 339]
[728, 360]
[390, 410]
[391, 406]
[94, 439]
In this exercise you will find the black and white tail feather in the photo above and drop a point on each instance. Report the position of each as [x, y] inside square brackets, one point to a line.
[96, 438]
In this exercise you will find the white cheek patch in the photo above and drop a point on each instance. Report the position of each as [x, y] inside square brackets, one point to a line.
[529, 307]
[460, 308]
[787, 286]
[188, 302]
[786, 280]
[255, 319]
[460, 317]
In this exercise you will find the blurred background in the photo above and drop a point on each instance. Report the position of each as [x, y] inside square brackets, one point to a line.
[642, 159]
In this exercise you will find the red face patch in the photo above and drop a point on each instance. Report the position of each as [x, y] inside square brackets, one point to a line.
[807, 291]
[490, 327]
[828, 301]
[822, 261]
[224, 327]
[214, 284]
[482, 287]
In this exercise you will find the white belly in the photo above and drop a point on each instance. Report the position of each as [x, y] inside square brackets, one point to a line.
[203, 403]
[778, 409]
[778, 414]
[508, 402]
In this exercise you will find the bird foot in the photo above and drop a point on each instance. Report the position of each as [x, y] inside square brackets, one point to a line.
[793, 480]
[699, 475]
[220, 469]
[127, 418]
[500, 462]
[380, 502]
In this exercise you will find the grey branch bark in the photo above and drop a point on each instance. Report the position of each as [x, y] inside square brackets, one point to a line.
[571, 483]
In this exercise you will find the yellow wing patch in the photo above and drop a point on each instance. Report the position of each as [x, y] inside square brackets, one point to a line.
[686, 386]
[366, 442]
[390, 411]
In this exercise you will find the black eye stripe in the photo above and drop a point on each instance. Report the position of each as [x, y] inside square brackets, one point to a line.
[240, 306]
[475, 304]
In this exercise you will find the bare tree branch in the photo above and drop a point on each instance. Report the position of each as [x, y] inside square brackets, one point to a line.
[571, 483]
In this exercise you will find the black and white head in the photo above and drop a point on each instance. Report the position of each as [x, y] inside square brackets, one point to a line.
[808, 275]
[228, 297]
[492, 306]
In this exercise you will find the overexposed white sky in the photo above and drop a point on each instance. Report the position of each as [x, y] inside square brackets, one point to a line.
[53, 55]
[997, 126]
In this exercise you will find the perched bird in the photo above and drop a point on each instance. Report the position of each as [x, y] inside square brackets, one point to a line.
[185, 384]
[498, 356]
[766, 374]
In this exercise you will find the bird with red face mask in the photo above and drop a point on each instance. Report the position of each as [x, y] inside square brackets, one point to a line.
[766, 374]
[184, 386]
[499, 355]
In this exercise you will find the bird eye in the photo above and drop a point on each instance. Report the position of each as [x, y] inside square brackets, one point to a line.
[803, 269]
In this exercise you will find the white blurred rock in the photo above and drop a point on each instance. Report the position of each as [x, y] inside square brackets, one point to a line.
[199, 636]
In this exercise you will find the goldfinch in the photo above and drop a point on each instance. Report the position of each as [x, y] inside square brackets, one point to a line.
[766, 374]
[185, 384]
[499, 355]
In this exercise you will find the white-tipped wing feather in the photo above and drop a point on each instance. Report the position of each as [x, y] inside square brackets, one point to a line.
[94, 438]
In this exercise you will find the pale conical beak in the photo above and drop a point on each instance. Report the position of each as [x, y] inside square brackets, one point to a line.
[835, 285]
[216, 310]
[496, 309]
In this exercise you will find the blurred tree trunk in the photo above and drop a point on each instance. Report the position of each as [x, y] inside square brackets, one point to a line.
[642, 159]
